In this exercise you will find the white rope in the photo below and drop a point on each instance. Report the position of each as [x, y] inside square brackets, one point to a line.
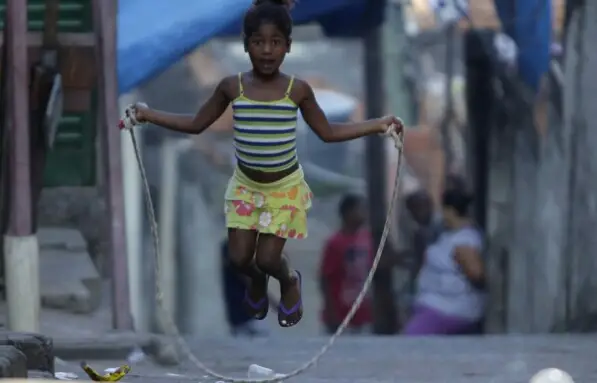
[128, 122]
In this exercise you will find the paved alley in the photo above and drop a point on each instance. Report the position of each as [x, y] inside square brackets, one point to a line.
[499, 359]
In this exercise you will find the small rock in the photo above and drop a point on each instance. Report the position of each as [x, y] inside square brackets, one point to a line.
[38, 349]
[13, 363]
[551, 375]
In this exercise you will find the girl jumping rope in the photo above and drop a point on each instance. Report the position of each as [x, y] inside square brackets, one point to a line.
[267, 198]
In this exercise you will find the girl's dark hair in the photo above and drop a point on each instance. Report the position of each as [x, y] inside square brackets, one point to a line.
[276, 12]
[457, 198]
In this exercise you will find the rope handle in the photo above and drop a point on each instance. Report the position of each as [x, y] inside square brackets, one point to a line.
[397, 135]
[129, 118]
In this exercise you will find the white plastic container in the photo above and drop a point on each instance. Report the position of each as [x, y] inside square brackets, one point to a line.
[259, 372]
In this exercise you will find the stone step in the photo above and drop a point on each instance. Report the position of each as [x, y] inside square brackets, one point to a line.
[69, 279]
[59, 238]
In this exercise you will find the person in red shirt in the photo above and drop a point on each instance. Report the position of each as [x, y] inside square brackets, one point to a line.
[345, 263]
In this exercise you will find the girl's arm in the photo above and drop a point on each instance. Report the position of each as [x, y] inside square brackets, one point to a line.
[210, 111]
[333, 132]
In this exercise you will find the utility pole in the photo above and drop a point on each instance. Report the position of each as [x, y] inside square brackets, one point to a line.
[105, 12]
[384, 305]
[21, 249]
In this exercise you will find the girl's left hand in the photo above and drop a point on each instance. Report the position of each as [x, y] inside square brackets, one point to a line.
[133, 116]
[390, 124]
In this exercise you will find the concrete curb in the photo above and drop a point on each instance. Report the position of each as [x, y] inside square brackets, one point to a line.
[37, 349]
[13, 363]
[117, 346]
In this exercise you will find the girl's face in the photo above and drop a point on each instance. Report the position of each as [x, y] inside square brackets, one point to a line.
[267, 48]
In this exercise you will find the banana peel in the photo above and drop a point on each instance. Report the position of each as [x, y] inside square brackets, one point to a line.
[108, 377]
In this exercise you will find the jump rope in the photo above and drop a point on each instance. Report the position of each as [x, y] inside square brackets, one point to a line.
[128, 122]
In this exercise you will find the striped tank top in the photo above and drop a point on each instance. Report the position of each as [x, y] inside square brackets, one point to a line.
[265, 131]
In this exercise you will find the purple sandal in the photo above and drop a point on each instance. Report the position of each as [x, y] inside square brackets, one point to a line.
[258, 310]
[284, 313]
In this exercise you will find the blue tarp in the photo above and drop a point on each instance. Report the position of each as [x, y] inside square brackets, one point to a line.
[339, 18]
[528, 22]
[154, 34]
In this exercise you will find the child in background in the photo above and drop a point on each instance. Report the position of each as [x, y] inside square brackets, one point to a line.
[346, 261]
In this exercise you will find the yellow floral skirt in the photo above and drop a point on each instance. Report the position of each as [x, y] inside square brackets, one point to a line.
[278, 208]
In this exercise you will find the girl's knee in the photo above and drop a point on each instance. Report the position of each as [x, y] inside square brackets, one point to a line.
[241, 261]
[269, 253]
[268, 262]
[241, 257]
[241, 247]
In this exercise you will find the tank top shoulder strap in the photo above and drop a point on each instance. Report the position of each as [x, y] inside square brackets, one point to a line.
[241, 91]
[289, 89]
